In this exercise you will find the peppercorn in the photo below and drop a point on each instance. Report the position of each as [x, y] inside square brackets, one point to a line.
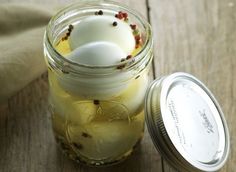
[96, 102]
[120, 67]
[114, 23]
[71, 27]
[100, 12]
[123, 59]
[78, 145]
[86, 135]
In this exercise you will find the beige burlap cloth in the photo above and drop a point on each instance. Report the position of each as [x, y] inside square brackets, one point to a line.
[21, 46]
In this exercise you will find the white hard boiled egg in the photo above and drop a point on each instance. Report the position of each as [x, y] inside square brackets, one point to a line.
[97, 54]
[100, 28]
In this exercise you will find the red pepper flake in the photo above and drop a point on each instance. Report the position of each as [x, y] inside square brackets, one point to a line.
[133, 26]
[128, 57]
[137, 41]
[100, 12]
[136, 34]
[114, 23]
[137, 37]
[120, 16]
[125, 15]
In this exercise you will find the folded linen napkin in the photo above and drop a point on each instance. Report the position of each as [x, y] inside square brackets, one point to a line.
[21, 46]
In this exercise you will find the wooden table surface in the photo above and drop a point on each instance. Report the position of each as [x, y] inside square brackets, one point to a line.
[195, 36]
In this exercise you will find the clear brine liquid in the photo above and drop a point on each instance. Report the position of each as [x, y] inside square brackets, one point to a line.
[97, 132]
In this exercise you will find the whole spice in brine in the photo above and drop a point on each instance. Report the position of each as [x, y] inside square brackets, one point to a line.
[114, 23]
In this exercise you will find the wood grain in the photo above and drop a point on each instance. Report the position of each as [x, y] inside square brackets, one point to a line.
[198, 37]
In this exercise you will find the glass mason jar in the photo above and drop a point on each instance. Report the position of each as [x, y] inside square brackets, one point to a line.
[97, 111]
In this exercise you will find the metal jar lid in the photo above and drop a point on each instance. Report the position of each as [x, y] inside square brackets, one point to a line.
[186, 123]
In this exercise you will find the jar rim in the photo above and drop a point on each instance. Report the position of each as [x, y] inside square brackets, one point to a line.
[88, 5]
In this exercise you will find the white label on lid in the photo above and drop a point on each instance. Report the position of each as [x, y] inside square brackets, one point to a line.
[193, 123]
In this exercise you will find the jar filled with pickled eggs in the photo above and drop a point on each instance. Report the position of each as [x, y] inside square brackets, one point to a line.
[98, 56]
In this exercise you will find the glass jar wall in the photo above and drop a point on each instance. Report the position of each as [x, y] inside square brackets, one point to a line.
[97, 111]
